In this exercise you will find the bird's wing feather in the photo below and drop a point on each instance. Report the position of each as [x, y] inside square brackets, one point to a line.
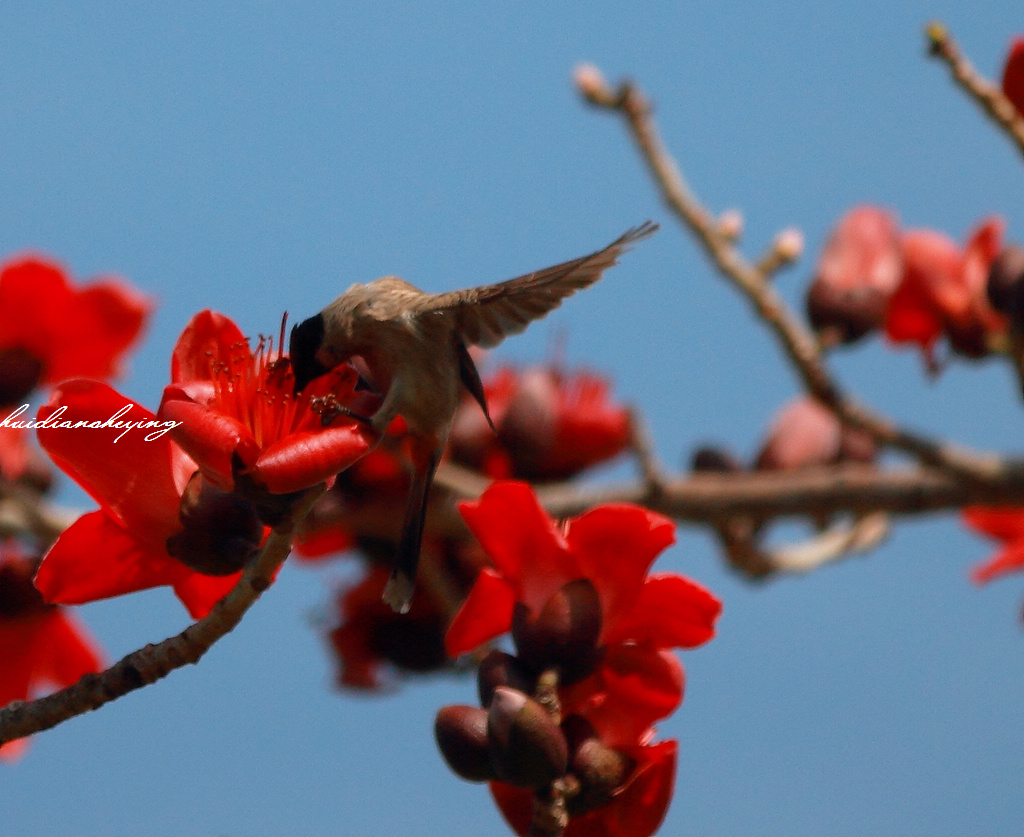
[486, 315]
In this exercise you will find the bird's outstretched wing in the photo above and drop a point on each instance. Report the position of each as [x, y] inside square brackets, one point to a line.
[486, 315]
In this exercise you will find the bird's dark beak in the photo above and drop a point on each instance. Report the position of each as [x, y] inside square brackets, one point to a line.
[305, 342]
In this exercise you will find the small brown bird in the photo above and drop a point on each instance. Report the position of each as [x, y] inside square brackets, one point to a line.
[413, 348]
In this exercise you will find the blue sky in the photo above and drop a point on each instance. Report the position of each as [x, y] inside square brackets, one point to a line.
[257, 157]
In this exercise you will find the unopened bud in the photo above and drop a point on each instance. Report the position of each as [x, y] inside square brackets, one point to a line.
[528, 749]
[20, 371]
[221, 531]
[729, 224]
[789, 244]
[501, 669]
[708, 459]
[1006, 284]
[564, 634]
[461, 734]
[590, 81]
[600, 771]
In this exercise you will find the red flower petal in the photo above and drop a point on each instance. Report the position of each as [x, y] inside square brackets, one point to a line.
[303, 459]
[199, 593]
[206, 336]
[639, 808]
[486, 613]
[138, 481]
[105, 319]
[615, 545]
[72, 332]
[1004, 524]
[68, 652]
[1013, 75]
[635, 687]
[209, 437]
[1007, 560]
[95, 558]
[521, 540]
[670, 612]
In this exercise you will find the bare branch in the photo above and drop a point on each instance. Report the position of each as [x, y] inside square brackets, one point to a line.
[149, 664]
[713, 498]
[988, 96]
[799, 344]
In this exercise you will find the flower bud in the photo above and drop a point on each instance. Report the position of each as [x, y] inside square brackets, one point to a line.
[20, 371]
[501, 669]
[528, 749]
[18, 596]
[221, 531]
[564, 635]
[600, 771]
[461, 734]
[1006, 284]
[708, 459]
[589, 81]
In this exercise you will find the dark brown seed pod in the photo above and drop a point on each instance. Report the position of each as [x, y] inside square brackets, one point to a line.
[221, 531]
[564, 634]
[461, 734]
[527, 747]
[501, 669]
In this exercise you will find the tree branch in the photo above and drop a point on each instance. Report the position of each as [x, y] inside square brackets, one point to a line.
[988, 96]
[797, 341]
[149, 664]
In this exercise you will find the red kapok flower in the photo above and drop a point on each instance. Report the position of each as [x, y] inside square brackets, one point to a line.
[551, 425]
[50, 331]
[858, 271]
[612, 546]
[1005, 525]
[636, 680]
[40, 646]
[943, 293]
[1013, 75]
[239, 416]
[137, 476]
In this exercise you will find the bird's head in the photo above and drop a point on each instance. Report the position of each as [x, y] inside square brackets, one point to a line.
[304, 349]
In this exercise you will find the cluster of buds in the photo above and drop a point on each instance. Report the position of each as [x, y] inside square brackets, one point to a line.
[516, 737]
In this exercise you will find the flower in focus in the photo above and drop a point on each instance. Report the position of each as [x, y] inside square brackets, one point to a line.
[611, 546]
[41, 646]
[51, 331]
[1005, 525]
[240, 419]
[139, 483]
[551, 425]
[1013, 75]
[943, 293]
[858, 271]
[579, 601]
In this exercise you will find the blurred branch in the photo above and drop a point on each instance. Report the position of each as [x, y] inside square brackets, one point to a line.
[799, 344]
[988, 96]
[149, 664]
[24, 511]
[711, 498]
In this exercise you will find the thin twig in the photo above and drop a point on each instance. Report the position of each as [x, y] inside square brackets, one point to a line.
[987, 95]
[149, 664]
[799, 344]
